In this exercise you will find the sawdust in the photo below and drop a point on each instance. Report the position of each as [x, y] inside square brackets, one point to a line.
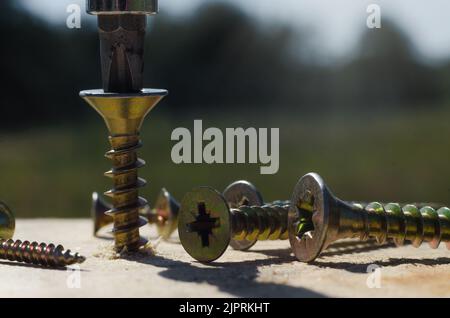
[107, 251]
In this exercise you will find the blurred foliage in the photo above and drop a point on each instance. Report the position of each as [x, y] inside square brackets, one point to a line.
[214, 59]
[387, 73]
[42, 69]
[52, 171]
[375, 119]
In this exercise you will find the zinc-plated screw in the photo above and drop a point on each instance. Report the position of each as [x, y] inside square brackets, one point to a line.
[31, 253]
[124, 115]
[123, 103]
[242, 193]
[332, 219]
[164, 214]
[207, 223]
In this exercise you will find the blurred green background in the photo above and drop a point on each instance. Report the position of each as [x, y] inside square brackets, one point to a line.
[374, 123]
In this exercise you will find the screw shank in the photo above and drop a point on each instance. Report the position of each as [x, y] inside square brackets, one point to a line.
[268, 222]
[391, 221]
[43, 254]
[351, 222]
[125, 193]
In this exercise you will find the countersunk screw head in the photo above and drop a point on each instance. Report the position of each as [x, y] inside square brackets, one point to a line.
[166, 209]
[324, 219]
[7, 222]
[307, 244]
[204, 224]
[238, 194]
[98, 208]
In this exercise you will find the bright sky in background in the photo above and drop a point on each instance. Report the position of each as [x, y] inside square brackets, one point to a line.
[336, 24]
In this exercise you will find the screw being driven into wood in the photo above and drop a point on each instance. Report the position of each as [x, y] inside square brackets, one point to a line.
[123, 103]
[330, 219]
[42, 254]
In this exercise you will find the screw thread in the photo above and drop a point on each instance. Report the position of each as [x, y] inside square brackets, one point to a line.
[268, 222]
[407, 223]
[39, 254]
[279, 202]
[125, 193]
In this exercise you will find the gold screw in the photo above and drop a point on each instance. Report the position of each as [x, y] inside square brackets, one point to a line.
[38, 253]
[331, 219]
[124, 115]
[207, 223]
[242, 193]
[32, 253]
[123, 103]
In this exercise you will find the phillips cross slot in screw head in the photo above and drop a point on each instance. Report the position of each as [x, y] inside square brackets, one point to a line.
[207, 223]
[333, 219]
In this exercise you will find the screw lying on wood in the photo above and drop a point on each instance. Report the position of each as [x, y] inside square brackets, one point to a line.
[317, 218]
[242, 193]
[32, 253]
[38, 253]
[207, 223]
[164, 214]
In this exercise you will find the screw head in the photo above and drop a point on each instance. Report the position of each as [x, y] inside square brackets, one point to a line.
[98, 208]
[7, 222]
[241, 193]
[204, 224]
[166, 208]
[123, 113]
[308, 222]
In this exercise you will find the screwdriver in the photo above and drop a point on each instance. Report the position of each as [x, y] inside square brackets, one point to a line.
[121, 27]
